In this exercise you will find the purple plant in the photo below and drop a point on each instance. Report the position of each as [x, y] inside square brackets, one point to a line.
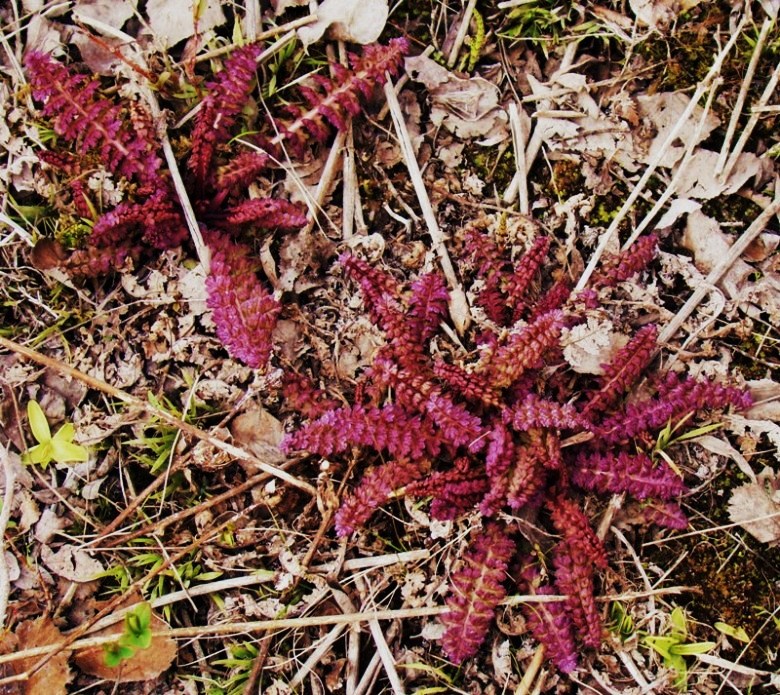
[123, 139]
[511, 430]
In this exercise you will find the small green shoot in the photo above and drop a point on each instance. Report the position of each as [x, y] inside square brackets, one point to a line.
[137, 634]
[620, 621]
[673, 647]
[59, 448]
[666, 437]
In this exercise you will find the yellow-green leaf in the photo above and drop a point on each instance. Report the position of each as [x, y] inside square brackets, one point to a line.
[38, 423]
[738, 633]
[65, 452]
[693, 648]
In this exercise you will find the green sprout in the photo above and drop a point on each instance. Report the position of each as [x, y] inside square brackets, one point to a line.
[666, 437]
[620, 621]
[673, 647]
[137, 634]
[59, 448]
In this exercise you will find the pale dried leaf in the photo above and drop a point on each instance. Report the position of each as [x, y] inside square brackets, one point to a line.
[721, 447]
[756, 507]
[467, 107]
[71, 562]
[699, 180]
[677, 208]
[664, 111]
[588, 346]
[709, 245]
[355, 21]
[173, 20]
[144, 665]
[656, 14]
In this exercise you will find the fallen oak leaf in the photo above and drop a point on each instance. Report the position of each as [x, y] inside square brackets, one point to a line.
[53, 677]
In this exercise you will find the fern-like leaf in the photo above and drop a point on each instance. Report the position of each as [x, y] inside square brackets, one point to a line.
[477, 589]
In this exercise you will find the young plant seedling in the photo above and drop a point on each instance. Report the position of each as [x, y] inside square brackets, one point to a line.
[137, 634]
[59, 448]
[673, 647]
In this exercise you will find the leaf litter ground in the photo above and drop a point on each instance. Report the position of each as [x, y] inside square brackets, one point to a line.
[577, 122]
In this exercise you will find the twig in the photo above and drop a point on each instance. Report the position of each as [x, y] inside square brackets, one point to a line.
[751, 124]
[530, 673]
[253, 19]
[314, 658]
[674, 132]
[520, 134]
[460, 37]
[681, 169]
[5, 516]
[714, 276]
[20, 231]
[383, 650]
[736, 112]
[459, 308]
[157, 526]
[147, 407]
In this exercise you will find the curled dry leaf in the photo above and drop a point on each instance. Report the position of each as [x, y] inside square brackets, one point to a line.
[355, 21]
[260, 433]
[144, 665]
[467, 107]
[54, 676]
[589, 346]
[756, 507]
[71, 562]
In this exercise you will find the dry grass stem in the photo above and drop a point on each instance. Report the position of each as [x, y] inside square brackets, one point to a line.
[653, 164]
[9, 482]
[736, 112]
[713, 277]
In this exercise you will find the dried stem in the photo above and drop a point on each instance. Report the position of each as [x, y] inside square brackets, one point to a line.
[674, 132]
[459, 309]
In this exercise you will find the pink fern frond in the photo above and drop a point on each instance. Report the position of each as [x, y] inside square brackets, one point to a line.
[535, 411]
[338, 99]
[94, 123]
[389, 428]
[636, 474]
[524, 349]
[244, 312]
[684, 396]
[616, 268]
[373, 491]
[266, 213]
[477, 589]
[241, 170]
[574, 578]
[427, 306]
[227, 95]
[551, 626]
[623, 370]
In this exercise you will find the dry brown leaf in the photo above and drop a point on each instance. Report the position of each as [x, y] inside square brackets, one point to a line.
[467, 107]
[71, 562]
[756, 507]
[144, 665]
[260, 433]
[53, 677]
